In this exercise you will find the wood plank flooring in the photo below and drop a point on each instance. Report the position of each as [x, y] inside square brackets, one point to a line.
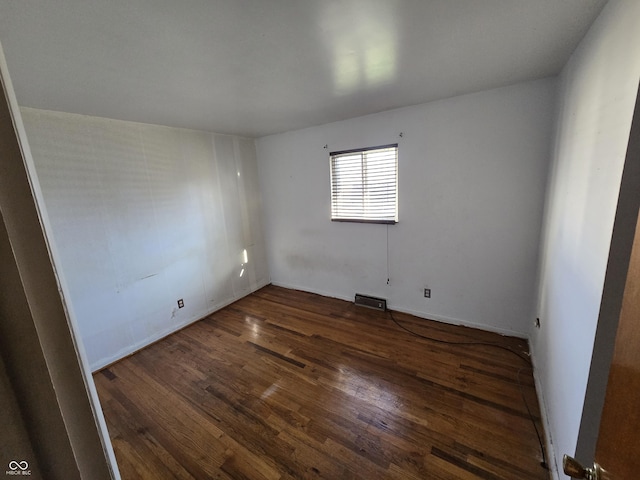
[289, 385]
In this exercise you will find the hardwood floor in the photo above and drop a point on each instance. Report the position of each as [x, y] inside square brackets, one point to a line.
[289, 385]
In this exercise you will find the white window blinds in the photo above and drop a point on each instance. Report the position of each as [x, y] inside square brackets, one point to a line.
[364, 185]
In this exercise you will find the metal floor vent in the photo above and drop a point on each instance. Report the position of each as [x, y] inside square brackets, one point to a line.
[371, 302]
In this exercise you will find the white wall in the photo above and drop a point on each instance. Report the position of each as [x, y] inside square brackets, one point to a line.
[143, 215]
[596, 100]
[472, 175]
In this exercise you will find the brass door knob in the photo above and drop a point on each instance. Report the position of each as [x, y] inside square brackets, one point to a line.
[574, 469]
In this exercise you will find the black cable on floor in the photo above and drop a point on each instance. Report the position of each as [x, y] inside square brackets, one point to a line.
[526, 404]
[495, 345]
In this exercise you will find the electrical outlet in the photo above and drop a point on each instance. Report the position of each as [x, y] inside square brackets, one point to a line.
[180, 303]
[537, 323]
[427, 293]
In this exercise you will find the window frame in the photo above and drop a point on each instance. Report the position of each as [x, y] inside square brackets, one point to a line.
[334, 194]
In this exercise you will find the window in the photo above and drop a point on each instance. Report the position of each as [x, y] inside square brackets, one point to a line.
[364, 185]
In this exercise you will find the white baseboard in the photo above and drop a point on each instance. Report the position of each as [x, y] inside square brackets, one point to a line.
[312, 290]
[552, 460]
[131, 349]
[425, 315]
[457, 321]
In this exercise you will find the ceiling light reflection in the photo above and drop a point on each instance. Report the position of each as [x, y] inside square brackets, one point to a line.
[363, 43]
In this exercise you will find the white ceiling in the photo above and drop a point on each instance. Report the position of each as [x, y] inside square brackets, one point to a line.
[256, 67]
